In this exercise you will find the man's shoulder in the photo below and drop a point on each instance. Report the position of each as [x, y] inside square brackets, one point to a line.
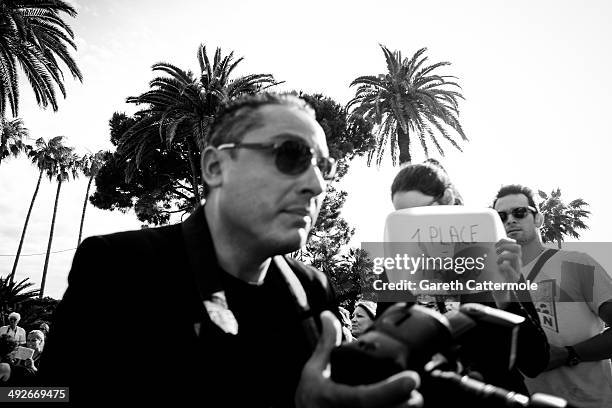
[130, 254]
[319, 293]
[134, 241]
[307, 273]
[142, 235]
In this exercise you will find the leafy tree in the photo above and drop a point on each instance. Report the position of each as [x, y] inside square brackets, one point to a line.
[351, 277]
[43, 156]
[35, 311]
[347, 136]
[34, 36]
[66, 166]
[161, 186]
[180, 107]
[12, 293]
[90, 166]
[12, 136]
[406, 101]
[561, 219]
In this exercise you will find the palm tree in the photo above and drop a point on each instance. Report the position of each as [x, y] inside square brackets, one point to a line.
[34, 36]
[181, 107]
[43, 156]
[561, 219]
[13, 293]
[66, 167]
[406, 101]
[12, 136]
[90, 165]
[350, 275]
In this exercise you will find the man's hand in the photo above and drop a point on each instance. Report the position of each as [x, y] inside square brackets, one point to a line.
[29, 363]
[5, 372]
[509, 265]
[317, 390]
[509, 259]
[558, 357]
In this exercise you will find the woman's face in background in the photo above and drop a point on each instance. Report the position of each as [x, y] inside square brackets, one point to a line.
[35, 342]
[360, 322]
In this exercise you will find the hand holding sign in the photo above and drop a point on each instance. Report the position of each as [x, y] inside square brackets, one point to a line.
[509, 259]
[449, 244]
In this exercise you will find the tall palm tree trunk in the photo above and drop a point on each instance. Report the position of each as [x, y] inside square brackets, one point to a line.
[25, 227]
[558, 233]
[84, 208]
[44, 276]
[403, 143]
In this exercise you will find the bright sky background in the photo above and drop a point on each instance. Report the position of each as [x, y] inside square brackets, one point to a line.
[536, 77]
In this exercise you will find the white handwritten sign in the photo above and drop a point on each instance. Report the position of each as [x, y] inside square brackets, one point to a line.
[435, 244]
[444, 223]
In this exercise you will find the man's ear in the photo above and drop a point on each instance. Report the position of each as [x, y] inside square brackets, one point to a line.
[539, 220]
[211, 167]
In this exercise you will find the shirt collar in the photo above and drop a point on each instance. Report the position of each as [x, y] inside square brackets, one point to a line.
[201, 254]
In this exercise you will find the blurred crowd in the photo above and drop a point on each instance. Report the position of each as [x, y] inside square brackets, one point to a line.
[20, 353]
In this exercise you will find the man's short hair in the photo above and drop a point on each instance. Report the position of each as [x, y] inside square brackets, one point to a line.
[241, 115]
[429, 178]
[15, 316]
[512, 189]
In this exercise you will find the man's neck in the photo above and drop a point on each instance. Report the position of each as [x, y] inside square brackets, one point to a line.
[531, 250]
[238, 257]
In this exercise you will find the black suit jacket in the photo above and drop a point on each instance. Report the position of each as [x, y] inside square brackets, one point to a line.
[124, 330]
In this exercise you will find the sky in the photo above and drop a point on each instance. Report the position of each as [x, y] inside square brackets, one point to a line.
[535, 76]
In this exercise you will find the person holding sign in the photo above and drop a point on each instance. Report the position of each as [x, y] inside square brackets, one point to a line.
[428, 184]
[573, 300]
[35, 345]
[11, 372]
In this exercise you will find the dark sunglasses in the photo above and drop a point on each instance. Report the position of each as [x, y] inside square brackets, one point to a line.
[518, 213]
[292, 157]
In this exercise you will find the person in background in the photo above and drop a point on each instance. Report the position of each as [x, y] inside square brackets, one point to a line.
[44, 327]
[7, 346]
[363, 316]
[11, 372]
[13, 330]
[35, 341]
[574, 301]
[428, 183]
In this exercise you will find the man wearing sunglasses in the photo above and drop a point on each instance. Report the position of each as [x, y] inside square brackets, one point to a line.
[574, 299]
[241, 319]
